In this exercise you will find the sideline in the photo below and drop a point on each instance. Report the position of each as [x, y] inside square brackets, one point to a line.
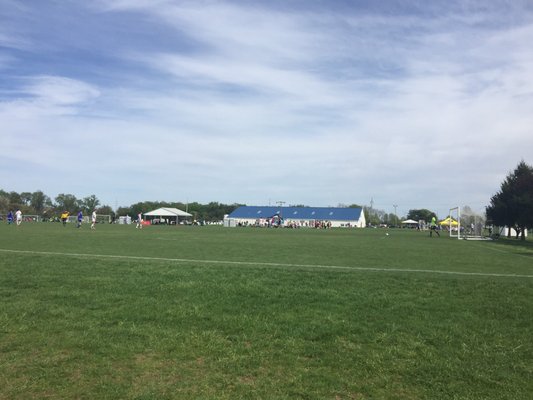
[266, 264]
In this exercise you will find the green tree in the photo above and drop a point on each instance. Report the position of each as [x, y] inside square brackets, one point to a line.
[39, 201]
[25, 198]
[212, 211]
[123, 211]
[15, 201]
[512, 205]
[421, 214]
[90, 203]
[374, 217]
[4, 202]
[67, 202]
[391, 219]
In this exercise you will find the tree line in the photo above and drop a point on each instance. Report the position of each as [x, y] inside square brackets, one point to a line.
[38, 203]
[210, 212]
[511, 206]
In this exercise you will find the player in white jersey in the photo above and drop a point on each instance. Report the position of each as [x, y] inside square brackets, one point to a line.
[18, 217]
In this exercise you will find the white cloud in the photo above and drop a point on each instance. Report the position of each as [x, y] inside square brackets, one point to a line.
[60, 90]
[43, 96]
[12, 41]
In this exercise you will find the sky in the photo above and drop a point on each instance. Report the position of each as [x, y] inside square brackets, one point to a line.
[396, 104]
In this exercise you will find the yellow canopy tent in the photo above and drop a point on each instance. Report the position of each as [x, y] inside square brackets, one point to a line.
[449, 222]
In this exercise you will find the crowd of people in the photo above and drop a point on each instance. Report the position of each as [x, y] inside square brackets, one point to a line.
[278, 222]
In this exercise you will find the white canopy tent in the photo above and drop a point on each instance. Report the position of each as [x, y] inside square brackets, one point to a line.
[166, 215]
[411, 224]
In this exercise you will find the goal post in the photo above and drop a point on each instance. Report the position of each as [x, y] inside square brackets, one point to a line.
[74, 219]
[103, 218]
[30, 218]
[454, 220]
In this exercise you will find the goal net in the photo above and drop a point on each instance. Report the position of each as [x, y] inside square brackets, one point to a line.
[472, 223]
[103, 219]
[74, 219]
[31, 218]
[454, 222]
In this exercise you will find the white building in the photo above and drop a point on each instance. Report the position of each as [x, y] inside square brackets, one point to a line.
[296, 216]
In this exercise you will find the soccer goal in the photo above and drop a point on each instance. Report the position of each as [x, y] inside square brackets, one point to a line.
[103, 219]
[473, 225]
[31, 218]
[74, 219]
[454, 222]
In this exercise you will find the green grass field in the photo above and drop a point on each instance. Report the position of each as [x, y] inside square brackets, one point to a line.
[244, 313]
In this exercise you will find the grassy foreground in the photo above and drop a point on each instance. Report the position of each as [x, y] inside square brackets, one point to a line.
[295, 314]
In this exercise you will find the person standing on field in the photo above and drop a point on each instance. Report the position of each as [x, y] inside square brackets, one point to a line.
[10, 218]
[80, 218]
[18, 216]
[93, 220]
[64, 217]
[139, 221]
[433, 227]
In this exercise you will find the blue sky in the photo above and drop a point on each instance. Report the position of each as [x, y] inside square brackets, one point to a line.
[308, 102]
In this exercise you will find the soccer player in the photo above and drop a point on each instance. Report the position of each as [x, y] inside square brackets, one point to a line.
[433, 227]
[18, 216]
[10, 218]
[139, 221]
[93, 220]
[64, 217]
[80, 218]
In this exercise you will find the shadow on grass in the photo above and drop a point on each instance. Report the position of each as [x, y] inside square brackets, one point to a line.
[525, 245]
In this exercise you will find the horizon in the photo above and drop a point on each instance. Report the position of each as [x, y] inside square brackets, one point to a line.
[285, 205]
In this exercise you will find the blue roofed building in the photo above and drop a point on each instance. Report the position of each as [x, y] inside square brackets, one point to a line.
[296, 216]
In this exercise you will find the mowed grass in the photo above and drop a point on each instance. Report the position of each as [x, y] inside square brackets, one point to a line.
[244, 313]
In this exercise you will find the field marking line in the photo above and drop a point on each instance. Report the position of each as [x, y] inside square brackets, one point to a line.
[267, 264]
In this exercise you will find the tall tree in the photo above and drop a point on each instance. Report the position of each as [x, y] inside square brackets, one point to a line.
[39, 201]
[422, 214]
[15, 201]
[67, 202]
[25, 197]
[512, 205]
[524, 201]
[392, 219]
[106, 210]
[90, 203]
[122, 211]
[4, 202]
